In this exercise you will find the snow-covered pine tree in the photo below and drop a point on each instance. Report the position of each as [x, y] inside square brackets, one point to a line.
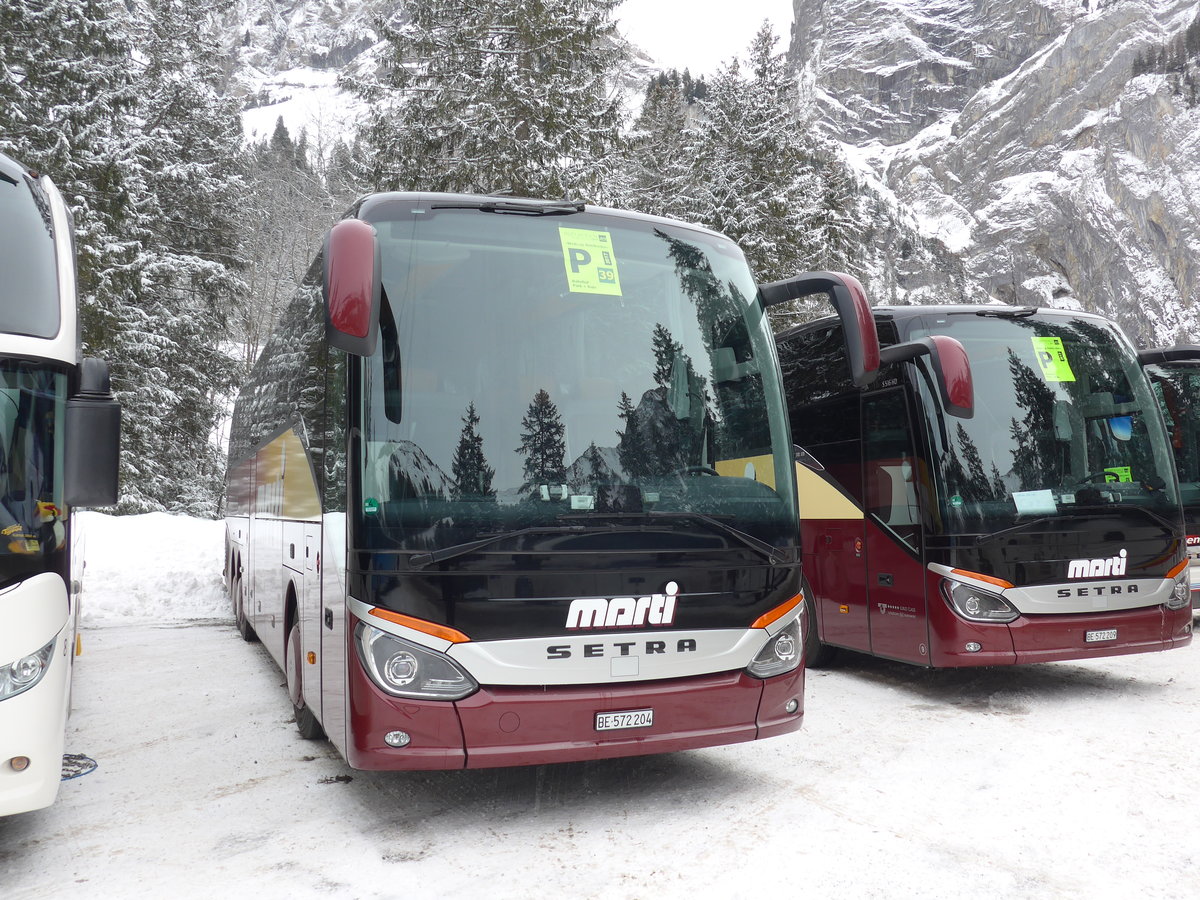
[495, 95]
[66, 94]
[757, 178]
[657, 176]
[170, 369]
[742, 160]
[286, 209]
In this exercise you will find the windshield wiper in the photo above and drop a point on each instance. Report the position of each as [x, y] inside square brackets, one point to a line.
[516, 205]
[770, 553]
[1018, 312]
[579, 524]
[1080, 512]
[1122, 507]
[421, 560]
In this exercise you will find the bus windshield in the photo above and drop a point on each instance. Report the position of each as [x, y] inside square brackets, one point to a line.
[1064, 424]
[32, 515]
[564, 370]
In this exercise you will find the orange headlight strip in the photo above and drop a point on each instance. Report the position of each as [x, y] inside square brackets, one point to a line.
[444, 632]
[990, 579]
[778, 612]
[1175, 570]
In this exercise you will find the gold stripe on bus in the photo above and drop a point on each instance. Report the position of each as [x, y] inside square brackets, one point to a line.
[284, 485]
[760, 468]
[821, 500]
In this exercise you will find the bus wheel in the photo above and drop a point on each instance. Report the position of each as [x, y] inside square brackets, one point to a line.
[816, 654]
[245, 629]
[306, 722]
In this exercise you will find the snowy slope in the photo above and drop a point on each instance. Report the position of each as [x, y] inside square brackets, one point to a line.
[1018, 133]
[1046, 781]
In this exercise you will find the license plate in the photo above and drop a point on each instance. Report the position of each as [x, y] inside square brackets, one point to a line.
[1108, 634]
[630, 718]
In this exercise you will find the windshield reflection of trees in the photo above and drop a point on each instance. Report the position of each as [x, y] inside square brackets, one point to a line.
[665, 444]
[1178, 394]
[1087, 441]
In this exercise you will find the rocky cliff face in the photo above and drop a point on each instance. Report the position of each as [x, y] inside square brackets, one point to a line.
[1019, 135]
[270, 36]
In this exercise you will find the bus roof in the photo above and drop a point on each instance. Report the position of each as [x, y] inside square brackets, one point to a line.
[371, 204]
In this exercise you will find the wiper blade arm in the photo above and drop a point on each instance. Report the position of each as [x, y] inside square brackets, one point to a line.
[516, 206]
[578, 524]
[1107, 509]
[772, 554]
[1018, 312]
[422, 560]
[1122, 507]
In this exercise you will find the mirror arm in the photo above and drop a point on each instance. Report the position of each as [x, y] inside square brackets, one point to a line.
[1182, 353]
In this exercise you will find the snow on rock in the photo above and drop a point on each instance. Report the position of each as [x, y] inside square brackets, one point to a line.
[1046, 162]
[152, 568]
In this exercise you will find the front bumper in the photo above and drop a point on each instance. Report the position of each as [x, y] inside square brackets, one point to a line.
[1053, 638]
[518, 726]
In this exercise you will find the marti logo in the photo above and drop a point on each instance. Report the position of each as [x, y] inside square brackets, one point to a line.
[622, 612]
[1097, 568]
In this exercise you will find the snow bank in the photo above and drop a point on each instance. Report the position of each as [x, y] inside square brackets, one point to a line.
[154, 567]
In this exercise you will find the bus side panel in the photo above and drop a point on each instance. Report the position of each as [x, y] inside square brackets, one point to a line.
[333, 642]
[836, 568]
[896, 599]
[266, 532]
[831, 531]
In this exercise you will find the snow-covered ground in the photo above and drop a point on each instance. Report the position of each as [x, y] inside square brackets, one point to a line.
[1056, 780]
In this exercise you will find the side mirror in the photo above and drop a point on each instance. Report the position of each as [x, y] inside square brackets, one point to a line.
[352, 286]
[951, 368]
[93, 439]
[1161, 355]
[853, 309]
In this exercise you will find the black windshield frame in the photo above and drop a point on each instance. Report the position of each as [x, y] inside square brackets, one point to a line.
[1049, 438]
[558, 361]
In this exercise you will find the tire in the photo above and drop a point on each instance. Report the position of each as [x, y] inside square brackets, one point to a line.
[245, 629]
[816, 654]
[306, 723]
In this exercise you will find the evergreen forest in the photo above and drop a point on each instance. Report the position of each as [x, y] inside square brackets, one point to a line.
[191, 239]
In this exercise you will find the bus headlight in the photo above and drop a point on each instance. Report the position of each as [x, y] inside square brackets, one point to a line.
[781, 653]
[975, 605]
[1181, 594]
[18, 677]
[404, 669]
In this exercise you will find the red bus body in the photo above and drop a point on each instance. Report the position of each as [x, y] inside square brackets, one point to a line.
[493, 513]
[1051, 506]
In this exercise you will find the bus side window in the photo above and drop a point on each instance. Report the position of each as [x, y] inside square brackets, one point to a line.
[890, 466]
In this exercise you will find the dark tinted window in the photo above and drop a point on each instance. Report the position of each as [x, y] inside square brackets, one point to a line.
[29, 288]
[32, 407]
[890, 468]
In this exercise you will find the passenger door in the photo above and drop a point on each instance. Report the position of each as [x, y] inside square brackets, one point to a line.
[895, 574]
